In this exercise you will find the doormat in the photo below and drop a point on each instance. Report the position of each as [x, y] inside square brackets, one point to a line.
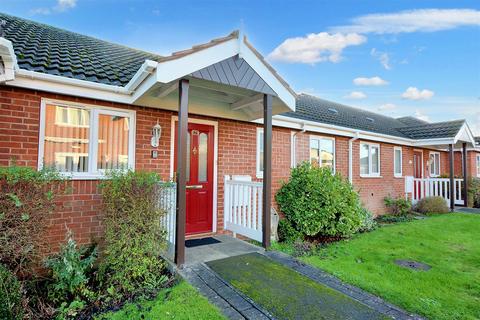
[200, 242]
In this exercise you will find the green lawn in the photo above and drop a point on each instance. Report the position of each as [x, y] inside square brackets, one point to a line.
[449, 243]
[180, 302]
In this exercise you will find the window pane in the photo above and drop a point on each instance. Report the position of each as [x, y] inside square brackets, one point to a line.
[326, 153]
[364, 159]
[314, 152]
[202, 156]
[67, 133]
[113, 133]
[437, 164]
[188, 157]
[375, 160]
[260, 150]
[398, 162]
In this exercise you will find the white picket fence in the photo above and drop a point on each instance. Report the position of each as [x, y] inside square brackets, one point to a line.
[167, 200]
[243, 207]
[437, 187]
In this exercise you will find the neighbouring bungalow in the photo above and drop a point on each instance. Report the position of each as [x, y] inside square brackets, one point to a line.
[216, 118]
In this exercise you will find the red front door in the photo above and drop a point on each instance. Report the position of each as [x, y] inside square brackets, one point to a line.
[417, 172]
[199, 177]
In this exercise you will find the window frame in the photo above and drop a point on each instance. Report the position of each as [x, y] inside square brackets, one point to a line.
[396, 174]
[319, 138]
[259, 138]
[478, 165]
[95, 110]
[435, 153]
[370, 146]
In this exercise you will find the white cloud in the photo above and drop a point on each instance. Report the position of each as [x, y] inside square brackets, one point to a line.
[373, 81]
[419, 20]
[420, 115]
[383, 57]
[61, 6]
[315, 47]
[412, 93]
[357, 95]
[387, 107]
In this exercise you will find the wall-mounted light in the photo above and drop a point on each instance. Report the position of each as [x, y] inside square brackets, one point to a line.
[156, 134]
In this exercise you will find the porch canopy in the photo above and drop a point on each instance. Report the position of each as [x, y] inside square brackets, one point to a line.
[225, 78]
[448, 136]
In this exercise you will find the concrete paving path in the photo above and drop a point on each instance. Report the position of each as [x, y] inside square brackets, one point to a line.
[235, 304]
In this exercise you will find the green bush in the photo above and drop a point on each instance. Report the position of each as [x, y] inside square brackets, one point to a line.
[70, 270]
[399, 206]
[10, 295]
[368, 222]
[287, 233]
[27, 197]
[318, 203]
[474, 192]
[430, 205]
[134, 237]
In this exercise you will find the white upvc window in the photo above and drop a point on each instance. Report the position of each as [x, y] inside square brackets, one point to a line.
[322, 152]
[434, 164]
[85, 141]
[369, 159]
[397, 161]
[260, 153]
[478, 165]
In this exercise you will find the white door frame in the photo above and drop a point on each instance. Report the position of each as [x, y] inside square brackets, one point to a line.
[423, 164]
[215, 159]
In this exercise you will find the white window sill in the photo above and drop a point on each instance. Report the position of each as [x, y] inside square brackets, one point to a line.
[370, 176]
[398, 176]
[259, 175]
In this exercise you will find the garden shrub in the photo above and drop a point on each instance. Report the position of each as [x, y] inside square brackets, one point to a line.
[287, 233]
[134, 237]
[317, 203]
[399, 206]
[430, 205]
[474, 192]
[27, 197]
[10, 295]
[368, 221]
[70, 272]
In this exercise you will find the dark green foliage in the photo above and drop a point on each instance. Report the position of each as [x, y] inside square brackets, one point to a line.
[70, 271]
[10, 295]
[26, 200]
[474, 192]
[398, 207]
[319, 203]
[134, 237]
[430, 205]
[287, 233]
[388, 218]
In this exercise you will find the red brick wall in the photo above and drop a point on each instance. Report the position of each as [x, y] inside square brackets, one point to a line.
[81, 210]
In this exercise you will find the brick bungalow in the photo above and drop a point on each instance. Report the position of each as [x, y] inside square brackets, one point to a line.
[84, 106]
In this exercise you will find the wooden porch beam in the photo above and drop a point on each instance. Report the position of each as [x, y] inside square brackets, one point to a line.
[267, 170]
[465, 174]
[183, 87]
[452, 179]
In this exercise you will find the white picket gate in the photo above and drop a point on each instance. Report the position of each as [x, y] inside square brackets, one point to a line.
[437, 187]
[243, 207]
[167, 200]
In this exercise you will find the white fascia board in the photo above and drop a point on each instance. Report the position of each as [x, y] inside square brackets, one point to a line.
[261, 69]
[9, 60]
[433, 142]
[175, 69]
[144, 71]
[288, 122]
[465, 134]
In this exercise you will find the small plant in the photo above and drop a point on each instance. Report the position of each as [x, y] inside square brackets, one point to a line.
[134, 238]
[431, 205]
[287, 233]
[368, 222]
[398, 207]
[10, 295]
[318, 203]
[70, 269]
[303, 248]
[27, 197]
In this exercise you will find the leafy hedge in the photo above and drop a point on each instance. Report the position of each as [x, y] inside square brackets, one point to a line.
[317, 203]
[134, 237]
[10, 295]
[430, 205]
[474, 193]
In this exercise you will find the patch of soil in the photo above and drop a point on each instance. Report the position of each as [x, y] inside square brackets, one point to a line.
[415, 265]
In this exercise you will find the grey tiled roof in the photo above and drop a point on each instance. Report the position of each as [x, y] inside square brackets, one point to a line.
[43, 48]
[312, 108]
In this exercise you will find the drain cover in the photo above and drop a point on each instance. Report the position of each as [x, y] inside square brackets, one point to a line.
[415, 265]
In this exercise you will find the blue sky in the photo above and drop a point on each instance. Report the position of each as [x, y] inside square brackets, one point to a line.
[419, 58]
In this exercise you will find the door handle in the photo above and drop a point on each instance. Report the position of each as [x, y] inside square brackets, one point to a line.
[195, 186]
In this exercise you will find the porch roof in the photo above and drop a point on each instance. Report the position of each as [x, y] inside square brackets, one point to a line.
[227, 74]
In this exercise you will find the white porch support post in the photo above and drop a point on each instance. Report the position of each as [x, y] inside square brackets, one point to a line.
[267, 170]
[452, 179]
[181, 171]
